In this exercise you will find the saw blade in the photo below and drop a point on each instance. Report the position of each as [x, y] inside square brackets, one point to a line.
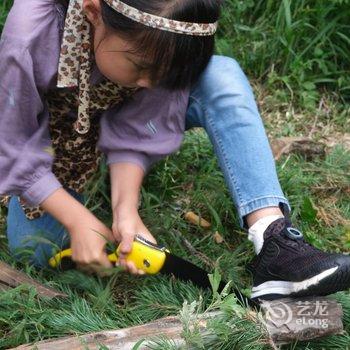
[187, 271]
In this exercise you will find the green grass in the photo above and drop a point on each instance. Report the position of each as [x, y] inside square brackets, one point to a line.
[278, 44]
[4, 8]
[301, 46]
[189, 180]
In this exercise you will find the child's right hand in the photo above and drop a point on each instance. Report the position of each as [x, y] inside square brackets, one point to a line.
[88, 234]
[89, 237]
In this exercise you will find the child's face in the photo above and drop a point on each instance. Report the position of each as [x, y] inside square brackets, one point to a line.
[113, 54]
[116, 62]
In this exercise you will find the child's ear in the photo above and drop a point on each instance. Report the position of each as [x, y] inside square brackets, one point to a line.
[92, 10]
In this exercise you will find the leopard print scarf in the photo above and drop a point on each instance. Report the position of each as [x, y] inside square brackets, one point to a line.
[74, 140]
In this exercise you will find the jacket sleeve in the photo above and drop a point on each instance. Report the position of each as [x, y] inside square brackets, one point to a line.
[25, 146]
[146, 128]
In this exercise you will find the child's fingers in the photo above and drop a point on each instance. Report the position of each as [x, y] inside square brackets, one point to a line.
[104, 261]
[136, 271]
[126, 244]
[116, 233]
[93, 262]
[130, 267]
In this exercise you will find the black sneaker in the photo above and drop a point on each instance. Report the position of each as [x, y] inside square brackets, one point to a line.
[289, 266]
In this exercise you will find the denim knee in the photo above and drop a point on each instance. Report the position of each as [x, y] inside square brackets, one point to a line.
[33, 241]
[36, 248]
[36, 255]
[223, 64]
[223, 84]
[222, 70]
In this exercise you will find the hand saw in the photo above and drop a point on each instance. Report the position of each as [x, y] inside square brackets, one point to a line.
[153, 259]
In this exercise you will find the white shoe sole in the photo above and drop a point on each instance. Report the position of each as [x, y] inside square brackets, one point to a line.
[286, 287]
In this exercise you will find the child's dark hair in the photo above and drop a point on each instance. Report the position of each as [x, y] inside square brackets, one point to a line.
[177, 60]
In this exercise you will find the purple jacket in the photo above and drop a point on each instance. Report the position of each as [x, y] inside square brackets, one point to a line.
[145, 129]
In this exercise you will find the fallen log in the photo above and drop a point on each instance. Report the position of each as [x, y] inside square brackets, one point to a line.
[281, 318]
[10, 277]
[121, 339]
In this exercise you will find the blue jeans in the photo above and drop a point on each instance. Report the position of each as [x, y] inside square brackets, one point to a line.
[223, 104]
[35, 240]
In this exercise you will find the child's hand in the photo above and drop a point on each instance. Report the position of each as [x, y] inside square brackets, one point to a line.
[89, 237]
[126, 225]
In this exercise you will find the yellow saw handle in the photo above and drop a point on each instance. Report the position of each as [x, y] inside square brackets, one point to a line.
[145, 255]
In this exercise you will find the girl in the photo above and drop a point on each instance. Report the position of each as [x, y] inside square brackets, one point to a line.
[78, 72]
[152, 69]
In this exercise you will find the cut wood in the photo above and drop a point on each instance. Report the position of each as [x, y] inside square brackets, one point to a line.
[121, 339]
[284, 321]
[10, 277]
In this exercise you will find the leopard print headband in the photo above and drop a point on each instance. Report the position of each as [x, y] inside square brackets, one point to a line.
[75, 57]
[202, 29]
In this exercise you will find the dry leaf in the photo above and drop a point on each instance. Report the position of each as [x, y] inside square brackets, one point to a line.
[218, 238]
[192, 218]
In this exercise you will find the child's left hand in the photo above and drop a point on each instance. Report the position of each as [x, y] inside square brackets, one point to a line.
[126, 225]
